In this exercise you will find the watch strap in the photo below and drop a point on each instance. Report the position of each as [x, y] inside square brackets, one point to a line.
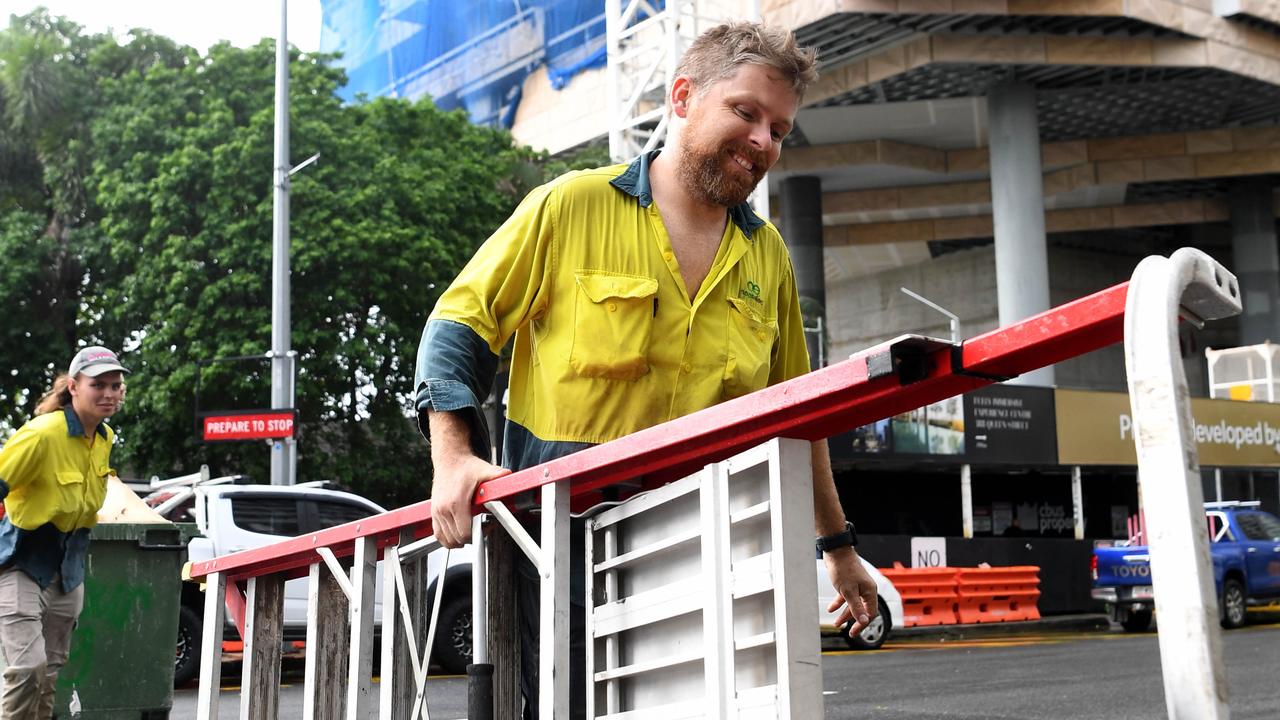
[846, 538]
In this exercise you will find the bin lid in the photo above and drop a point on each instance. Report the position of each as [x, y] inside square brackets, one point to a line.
[122, 505]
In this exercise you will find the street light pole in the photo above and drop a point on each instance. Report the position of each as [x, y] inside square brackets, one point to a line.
[284, 452]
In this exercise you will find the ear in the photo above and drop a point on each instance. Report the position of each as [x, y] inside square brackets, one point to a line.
[681, 96]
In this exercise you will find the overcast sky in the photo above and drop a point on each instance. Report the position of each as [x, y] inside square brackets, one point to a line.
[199, 24]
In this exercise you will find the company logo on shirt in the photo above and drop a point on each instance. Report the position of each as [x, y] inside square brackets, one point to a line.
[750, 292]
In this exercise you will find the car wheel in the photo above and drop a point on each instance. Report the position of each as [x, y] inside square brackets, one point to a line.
[187, 662]
[453, 634]
[1137, 621]
[873, 635]
[1233, 604]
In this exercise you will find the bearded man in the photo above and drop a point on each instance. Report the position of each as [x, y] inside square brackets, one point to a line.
[636, 294]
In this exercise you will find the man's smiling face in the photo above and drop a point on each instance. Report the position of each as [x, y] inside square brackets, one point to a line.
[733, 133]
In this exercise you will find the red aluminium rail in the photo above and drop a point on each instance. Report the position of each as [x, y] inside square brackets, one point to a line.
[886, 380]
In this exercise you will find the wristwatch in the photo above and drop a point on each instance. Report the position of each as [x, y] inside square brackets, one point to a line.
[847, 538]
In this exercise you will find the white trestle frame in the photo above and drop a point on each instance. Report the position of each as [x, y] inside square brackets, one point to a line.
[743, 610]
[702, 595]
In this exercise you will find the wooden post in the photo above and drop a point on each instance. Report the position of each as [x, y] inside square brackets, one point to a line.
[263, 630]
[327, 635]
[504, 623]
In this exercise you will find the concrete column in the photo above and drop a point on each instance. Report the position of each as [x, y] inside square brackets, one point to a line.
[966, 500]
[1017, 207]
[1256, 260]
[800, 210]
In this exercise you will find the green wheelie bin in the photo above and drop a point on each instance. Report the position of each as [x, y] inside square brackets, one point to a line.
[122, 650]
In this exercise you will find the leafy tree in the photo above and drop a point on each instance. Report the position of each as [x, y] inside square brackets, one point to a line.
[401, 197]
[49, 74]
[136, 210]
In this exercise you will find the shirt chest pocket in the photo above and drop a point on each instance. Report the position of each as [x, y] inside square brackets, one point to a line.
[613, 320]
[71, 491]
[750, 349]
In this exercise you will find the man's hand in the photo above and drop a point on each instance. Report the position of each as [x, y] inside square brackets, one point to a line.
[457, 474]
[856, 588]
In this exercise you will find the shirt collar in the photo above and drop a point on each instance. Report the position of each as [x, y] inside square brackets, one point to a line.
[75, 428]
[634, 181]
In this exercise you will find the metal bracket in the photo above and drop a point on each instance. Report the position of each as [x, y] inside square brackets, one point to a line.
[523, 539]
[339, 573]
[957, 367]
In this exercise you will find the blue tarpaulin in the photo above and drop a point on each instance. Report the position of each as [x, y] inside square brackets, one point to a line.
[473, 54]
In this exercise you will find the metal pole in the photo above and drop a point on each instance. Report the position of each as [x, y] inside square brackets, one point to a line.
[966, 499]
[1077, 502]
[479, 671]
[283, 452]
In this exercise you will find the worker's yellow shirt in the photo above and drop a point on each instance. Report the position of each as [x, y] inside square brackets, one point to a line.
[607, 338]
[54, 475]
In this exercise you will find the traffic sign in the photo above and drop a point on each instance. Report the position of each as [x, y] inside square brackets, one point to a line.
[249, 425]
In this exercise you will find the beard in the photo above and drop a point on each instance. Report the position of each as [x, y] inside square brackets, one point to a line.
[703, 174]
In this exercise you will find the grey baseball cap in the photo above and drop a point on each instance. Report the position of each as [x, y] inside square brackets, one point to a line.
[93, 361]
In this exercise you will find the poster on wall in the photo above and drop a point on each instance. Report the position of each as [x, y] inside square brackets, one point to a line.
[981, 519]
[1011, 424]
[936, 429]
[998, 424]
[1001, 517]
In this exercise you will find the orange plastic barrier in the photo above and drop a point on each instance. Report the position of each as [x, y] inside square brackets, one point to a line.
[928, 594]
[998, 594]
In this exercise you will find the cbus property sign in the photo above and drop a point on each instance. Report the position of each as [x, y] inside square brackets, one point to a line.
[249, 425]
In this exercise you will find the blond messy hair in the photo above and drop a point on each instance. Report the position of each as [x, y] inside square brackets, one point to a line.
[718, 53]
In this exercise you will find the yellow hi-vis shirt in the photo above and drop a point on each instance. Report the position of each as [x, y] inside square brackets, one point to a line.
[53, 481]
[608, 340]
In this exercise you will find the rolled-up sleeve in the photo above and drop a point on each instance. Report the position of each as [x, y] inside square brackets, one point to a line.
[498, 291]
[455, 372]
[20, 460]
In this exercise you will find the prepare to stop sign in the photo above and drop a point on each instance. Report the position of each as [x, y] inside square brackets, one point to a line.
[249, 426]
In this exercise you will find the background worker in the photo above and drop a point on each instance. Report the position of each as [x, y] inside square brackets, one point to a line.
[636, 294]
[53, 479]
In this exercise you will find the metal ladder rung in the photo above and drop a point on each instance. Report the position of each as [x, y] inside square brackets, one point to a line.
[755, 641]
[675, 711]
[642, 503]
[761, 698]
[648, 550]
[663, 603]
[748, 513]
[644, 667]
[752, 576]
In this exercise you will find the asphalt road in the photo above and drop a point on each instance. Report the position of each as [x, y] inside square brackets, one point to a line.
[1095, 675]
[1031, 677]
